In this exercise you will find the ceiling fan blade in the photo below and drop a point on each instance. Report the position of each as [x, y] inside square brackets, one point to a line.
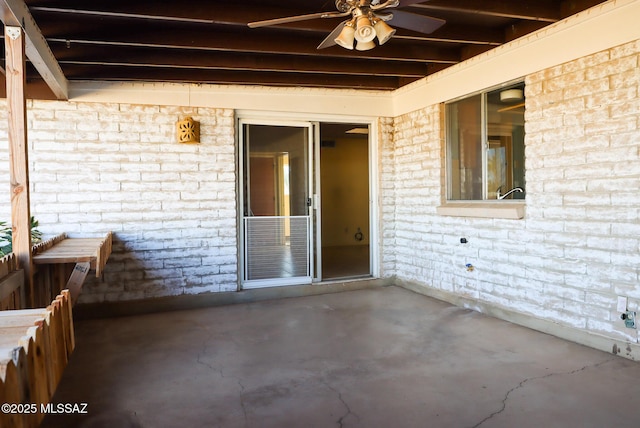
[412, 21]
[296, 18]
[404, 3]
[330, 40]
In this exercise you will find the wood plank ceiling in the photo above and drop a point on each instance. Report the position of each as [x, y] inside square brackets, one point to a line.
[204, 41]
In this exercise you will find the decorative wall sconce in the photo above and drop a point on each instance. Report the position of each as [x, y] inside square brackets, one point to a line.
[188, 130]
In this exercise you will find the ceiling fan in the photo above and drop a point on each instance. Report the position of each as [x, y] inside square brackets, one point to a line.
[368, 21]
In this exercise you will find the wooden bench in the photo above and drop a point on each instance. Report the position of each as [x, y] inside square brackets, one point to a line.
[35, 346]
[86, 253]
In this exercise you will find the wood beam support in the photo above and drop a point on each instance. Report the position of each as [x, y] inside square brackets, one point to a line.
[15, 13]
[546, 11]
[15, 59]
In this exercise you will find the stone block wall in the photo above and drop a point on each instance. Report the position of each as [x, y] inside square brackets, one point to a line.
[577, 251]
[118, 167]
[386, 168]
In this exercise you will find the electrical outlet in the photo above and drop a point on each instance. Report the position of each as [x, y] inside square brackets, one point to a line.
[629, 318]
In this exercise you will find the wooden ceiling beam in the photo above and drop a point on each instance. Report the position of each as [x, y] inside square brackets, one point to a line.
[208, 41]
[15, 13]
[152, 74]
[265, 41]
[521, 28]
[456, 34]
[78, 53]
[197, 12]
[542, 10]
[571, 7]
[240, 15]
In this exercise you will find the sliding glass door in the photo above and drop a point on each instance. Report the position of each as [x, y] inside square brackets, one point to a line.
[276, 168]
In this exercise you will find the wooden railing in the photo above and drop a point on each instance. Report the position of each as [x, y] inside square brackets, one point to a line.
[45, 245]
[35, 345]
[12, 292]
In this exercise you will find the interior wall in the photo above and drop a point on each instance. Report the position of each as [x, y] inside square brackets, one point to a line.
[344, 168]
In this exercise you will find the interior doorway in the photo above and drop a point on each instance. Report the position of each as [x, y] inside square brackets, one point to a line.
[345, 195]
[305, 202]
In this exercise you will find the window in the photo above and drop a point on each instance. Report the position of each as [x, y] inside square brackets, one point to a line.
[485, 145]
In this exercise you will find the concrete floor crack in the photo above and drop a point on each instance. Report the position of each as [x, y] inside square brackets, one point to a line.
[242, 404]
[220, 372]
[202, 353]
[348, 413]
[521, 384]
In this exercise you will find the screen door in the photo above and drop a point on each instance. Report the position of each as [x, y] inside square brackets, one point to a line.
[275, 199]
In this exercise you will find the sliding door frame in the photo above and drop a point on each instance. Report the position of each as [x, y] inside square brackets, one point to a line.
[296, 119]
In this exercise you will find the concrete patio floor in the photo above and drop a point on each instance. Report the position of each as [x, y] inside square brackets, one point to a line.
[381, 357]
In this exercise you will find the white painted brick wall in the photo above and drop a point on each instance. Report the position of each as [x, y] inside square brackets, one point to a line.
[578, 247]
[386, 197]
[117, 167]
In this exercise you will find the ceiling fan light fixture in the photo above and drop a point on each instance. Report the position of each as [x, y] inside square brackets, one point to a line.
[346, 36]
[368, 21]
[364, 30]
[365, 46]
[383, 31]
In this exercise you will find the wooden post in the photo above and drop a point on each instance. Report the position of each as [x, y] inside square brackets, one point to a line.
[18, 154]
